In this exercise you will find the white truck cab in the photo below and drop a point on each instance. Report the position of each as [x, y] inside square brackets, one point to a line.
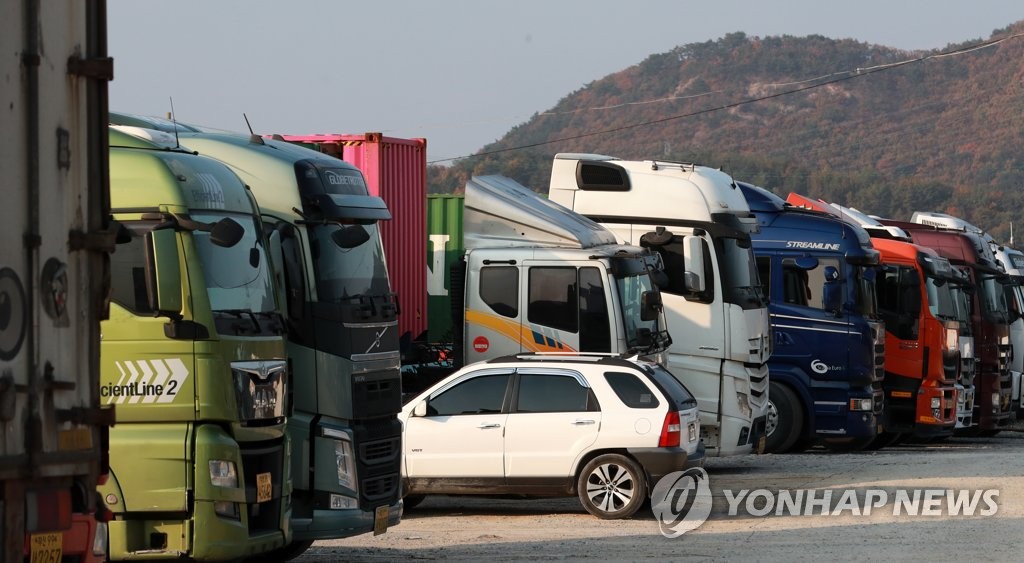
[699, 222]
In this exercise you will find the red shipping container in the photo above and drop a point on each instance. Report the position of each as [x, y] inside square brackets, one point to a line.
[396, 171]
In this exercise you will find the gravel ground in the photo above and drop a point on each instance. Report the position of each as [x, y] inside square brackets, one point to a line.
[464, 528]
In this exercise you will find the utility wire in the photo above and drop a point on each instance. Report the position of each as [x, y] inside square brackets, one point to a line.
[839, 77]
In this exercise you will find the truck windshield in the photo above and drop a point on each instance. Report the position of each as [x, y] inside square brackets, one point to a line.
[992, 299]
[237, 277]
[347, 273]
[866, 296]
[941, 299]
[740, 282]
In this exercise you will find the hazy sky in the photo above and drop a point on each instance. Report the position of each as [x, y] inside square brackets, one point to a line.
[459, 73]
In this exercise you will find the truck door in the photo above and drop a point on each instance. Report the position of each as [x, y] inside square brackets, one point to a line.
[566, 309]
[809, 330]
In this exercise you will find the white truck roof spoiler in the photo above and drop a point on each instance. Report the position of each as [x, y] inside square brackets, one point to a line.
[500, 212]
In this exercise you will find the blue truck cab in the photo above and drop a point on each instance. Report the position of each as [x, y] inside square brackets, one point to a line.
[827, 365]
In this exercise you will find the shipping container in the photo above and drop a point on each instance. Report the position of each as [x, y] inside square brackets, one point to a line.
[54, 280]
[395, 170]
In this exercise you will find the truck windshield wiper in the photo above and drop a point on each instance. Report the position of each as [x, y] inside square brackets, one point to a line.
[242, 313]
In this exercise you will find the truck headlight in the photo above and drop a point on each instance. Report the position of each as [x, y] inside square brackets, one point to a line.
[223, 473]
[227, 509]
[341, 502]
[346, 463]
[744, 403]
[865, 405]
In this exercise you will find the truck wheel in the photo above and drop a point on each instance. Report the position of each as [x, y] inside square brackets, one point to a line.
[412, 501]
[611, 486]
[785, 419]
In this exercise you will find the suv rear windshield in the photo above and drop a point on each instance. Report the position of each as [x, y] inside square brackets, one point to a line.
[671, 387]
[631, 391]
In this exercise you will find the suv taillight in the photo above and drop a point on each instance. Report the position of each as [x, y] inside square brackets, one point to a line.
[670, 431]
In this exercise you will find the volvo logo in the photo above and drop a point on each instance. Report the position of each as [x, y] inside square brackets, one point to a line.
[376, 340]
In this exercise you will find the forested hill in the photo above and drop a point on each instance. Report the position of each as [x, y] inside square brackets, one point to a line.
[859, 127]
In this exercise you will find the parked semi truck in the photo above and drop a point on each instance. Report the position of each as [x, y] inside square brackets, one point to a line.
[395, 170]
[916, 348]
[827, 367]
[696, 219]
[914, 289]
[342, 338]
[194, 360]
[922, 357]
[527, 275]
[54, 280]
[989, 317]
[1011, 260]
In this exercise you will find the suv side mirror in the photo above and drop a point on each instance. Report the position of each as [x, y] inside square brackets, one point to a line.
[420, 409]
[163, 273]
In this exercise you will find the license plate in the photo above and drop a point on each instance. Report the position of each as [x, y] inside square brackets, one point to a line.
[879, 429]
[46, 548]
[264, 487]
[761, 444]
[380, 520]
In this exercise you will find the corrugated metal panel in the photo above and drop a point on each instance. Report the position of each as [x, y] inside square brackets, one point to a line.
[395, 170]
[444, 247]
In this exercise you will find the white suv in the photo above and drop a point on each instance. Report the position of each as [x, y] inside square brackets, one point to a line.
[597, 426]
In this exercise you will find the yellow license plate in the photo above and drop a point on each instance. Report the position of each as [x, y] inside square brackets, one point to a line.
[380, 520]
[761, 444]
[46, 548]
[264, 487]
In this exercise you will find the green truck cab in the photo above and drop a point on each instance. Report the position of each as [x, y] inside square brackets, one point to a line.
[342, 332]
[193, 359]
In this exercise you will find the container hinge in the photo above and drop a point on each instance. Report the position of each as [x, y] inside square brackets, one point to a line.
[54, 384]
[99, 68]
[100, 241]
[89, 416]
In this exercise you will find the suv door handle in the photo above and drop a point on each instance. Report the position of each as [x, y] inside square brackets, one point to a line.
[582, 421]
[489, 425]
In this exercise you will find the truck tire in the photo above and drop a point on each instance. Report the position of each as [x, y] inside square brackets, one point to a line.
[785, 419]
[612, 486]
[412, 501]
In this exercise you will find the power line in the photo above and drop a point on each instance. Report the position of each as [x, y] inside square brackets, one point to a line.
[838, 77]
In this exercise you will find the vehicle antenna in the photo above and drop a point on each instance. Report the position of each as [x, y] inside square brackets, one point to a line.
[177, 145]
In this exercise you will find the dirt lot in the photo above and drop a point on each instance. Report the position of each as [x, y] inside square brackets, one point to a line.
[474, 529]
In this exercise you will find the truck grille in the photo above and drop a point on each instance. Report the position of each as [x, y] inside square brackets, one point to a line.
[379, 459]
[257, 458]
[376, 393]
[380, 488]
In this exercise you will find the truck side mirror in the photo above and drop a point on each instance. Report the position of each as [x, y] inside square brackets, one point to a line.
[277, 265]
[163, 279]
[350, 236]
[832, 291]
[226, 233]
[420, 409]
[693, 264]
[650, 305]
